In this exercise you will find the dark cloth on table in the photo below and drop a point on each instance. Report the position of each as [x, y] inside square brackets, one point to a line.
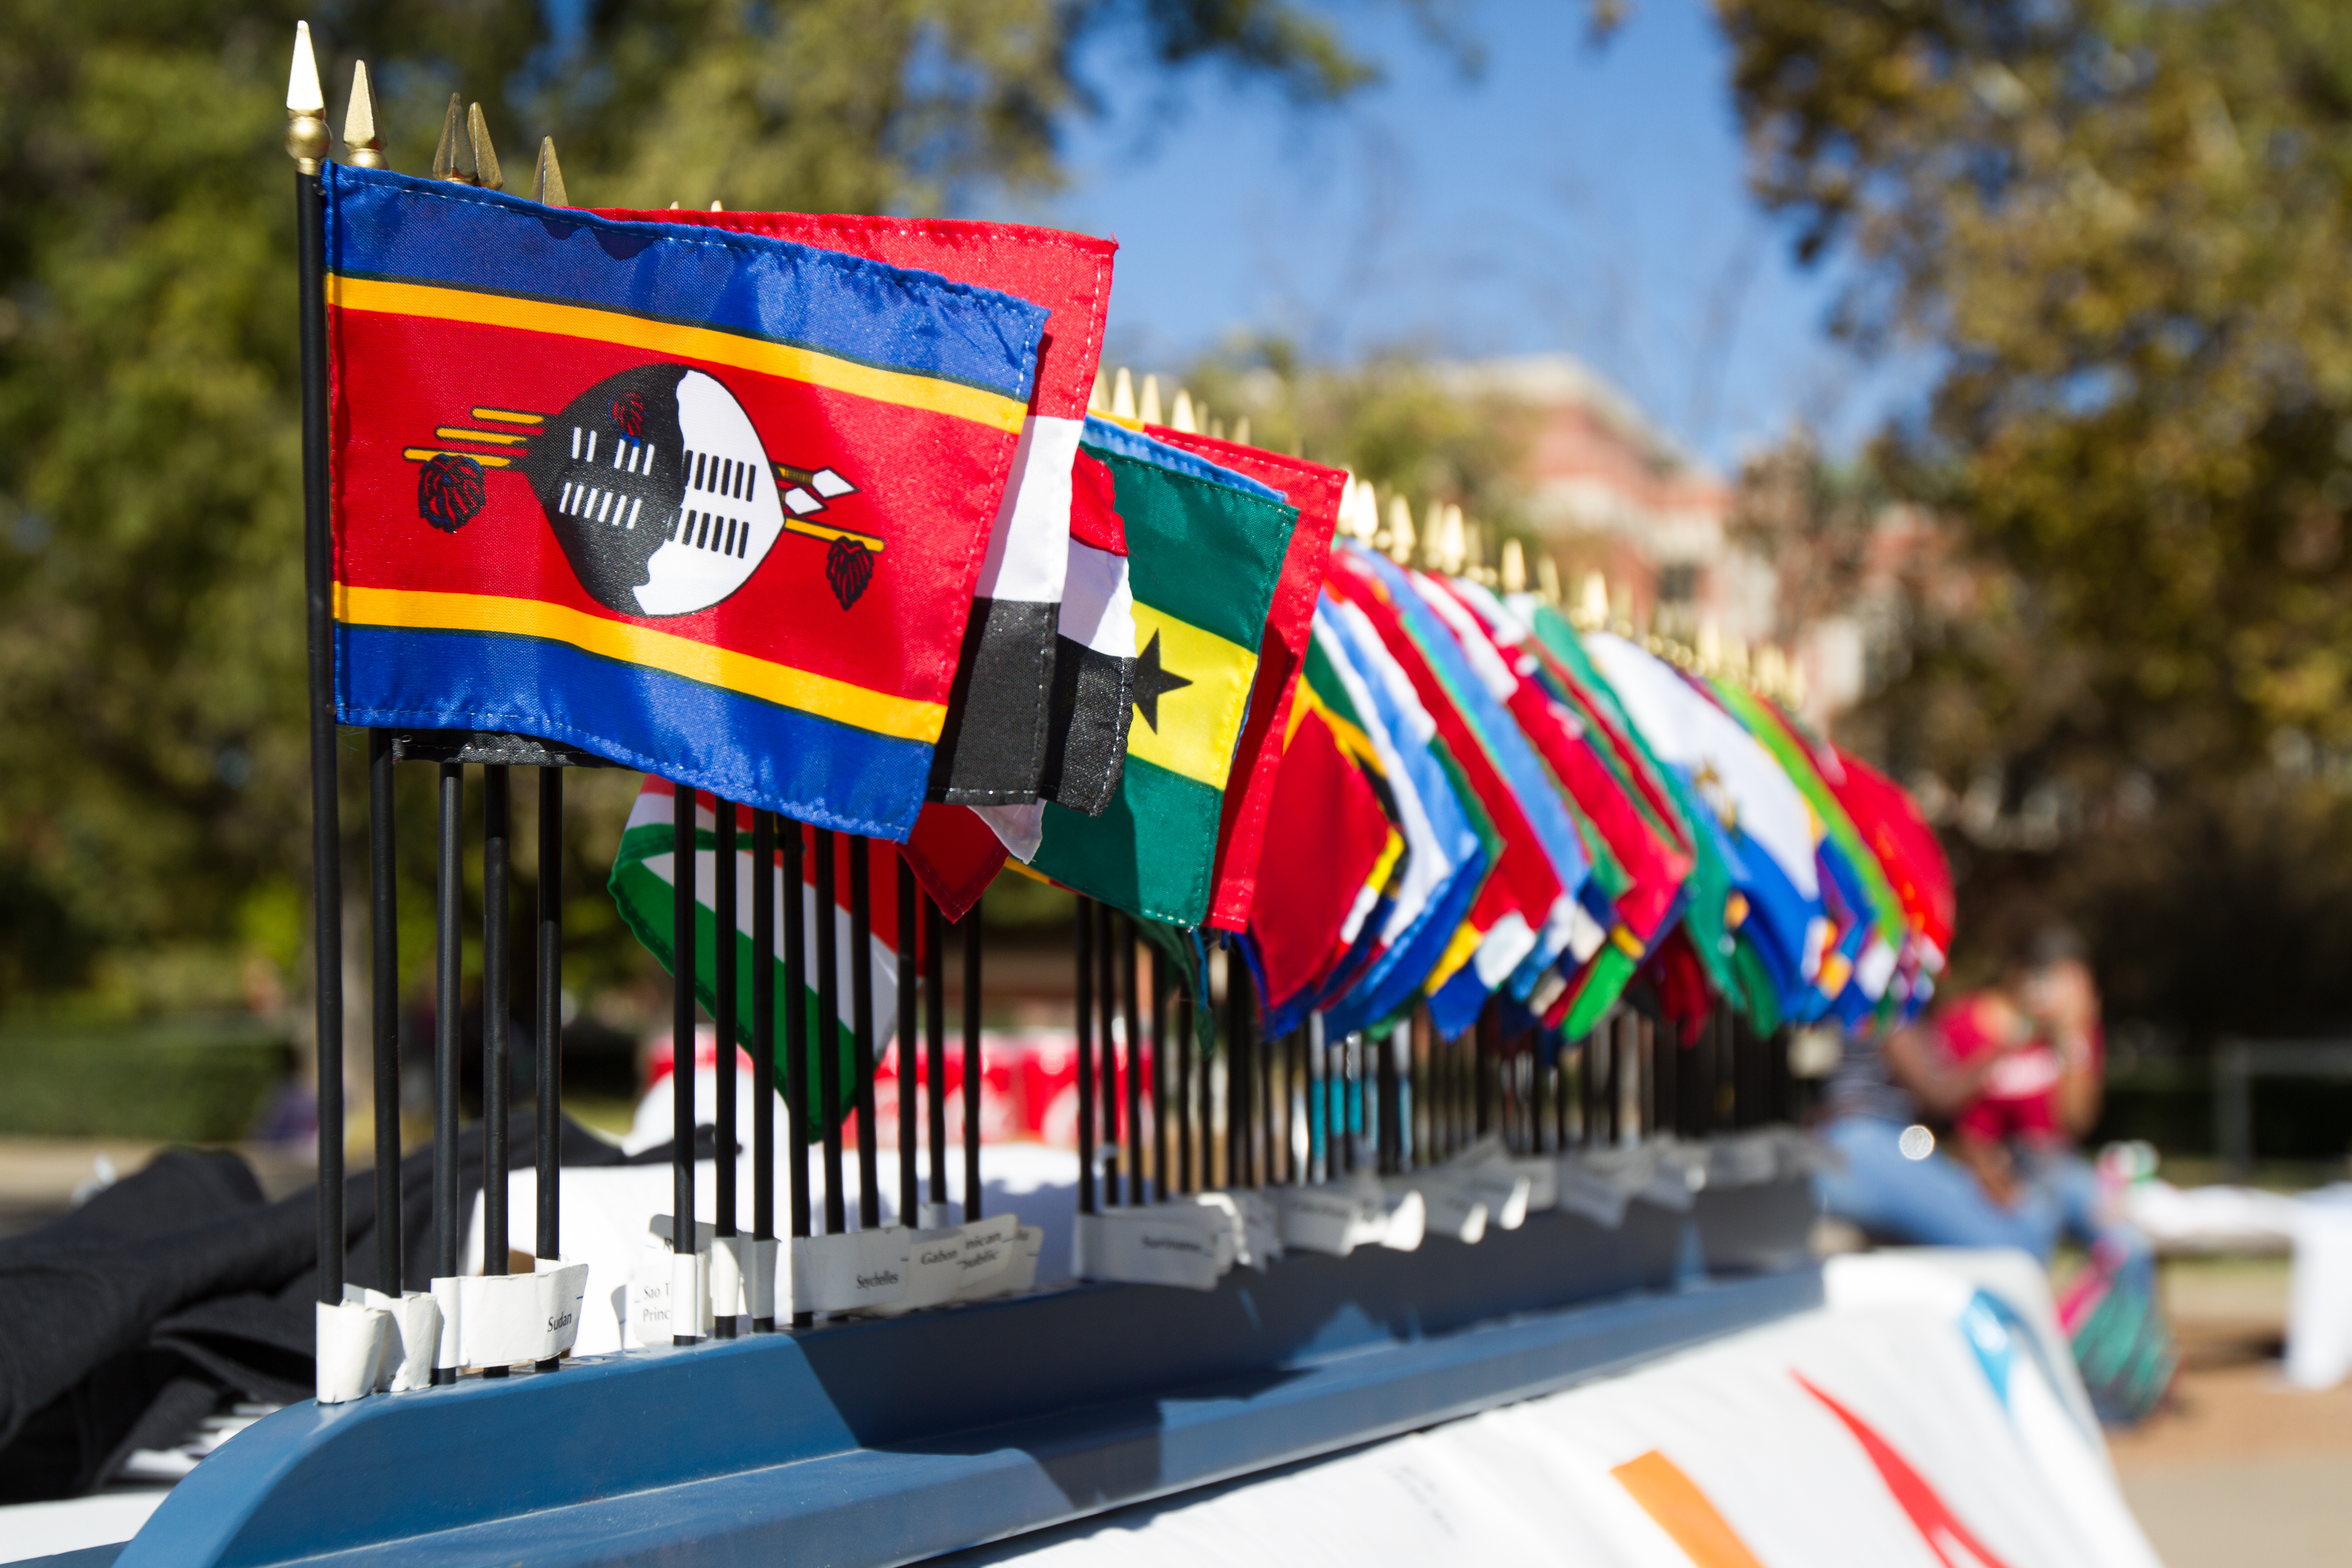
[132, 1319]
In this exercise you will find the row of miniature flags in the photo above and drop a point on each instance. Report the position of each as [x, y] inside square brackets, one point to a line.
[809, 514]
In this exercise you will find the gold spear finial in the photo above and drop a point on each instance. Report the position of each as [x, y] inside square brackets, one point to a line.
[307, 139]
[1148, 410]
[547, 182]
[364, 148]
[1447, 546]
[1241, 431]
[715, 206]
[1401, 535]
[1548, 579]
[1180, 414]
[453, 159]
[486, 157]
[1592, 610]
[1122, 396]
[1515, 567]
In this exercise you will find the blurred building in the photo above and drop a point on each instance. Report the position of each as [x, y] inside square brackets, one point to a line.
[1608, 490]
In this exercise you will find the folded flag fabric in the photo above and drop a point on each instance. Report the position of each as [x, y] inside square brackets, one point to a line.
[1446, 860]
[699, 501]
[1331, 844]
[1205, 548]
[1655, 865]
[1761, 814]
[1865, 952]
[644, 871]
[1905, 846]
[1001, 716]
[954, 854]
[1665, 792]
[1318, 492]
[1529, 908]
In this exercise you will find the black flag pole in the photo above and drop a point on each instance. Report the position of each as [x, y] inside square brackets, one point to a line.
[307, 142]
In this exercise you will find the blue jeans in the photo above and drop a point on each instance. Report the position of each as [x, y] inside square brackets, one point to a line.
[1931, 1202]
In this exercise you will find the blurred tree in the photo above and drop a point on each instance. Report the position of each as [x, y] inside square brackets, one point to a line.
[1394, 419]
[150, 671]
[2122, 222]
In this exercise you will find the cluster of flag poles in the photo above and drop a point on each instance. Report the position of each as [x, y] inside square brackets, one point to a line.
[1385, 854]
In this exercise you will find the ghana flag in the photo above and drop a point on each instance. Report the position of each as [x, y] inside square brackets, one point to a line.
[1205, 547]
[705, 503]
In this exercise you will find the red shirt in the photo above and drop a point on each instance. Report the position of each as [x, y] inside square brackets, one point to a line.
[2020, 1098]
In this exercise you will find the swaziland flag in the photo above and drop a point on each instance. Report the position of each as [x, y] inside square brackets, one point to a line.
[704, 503]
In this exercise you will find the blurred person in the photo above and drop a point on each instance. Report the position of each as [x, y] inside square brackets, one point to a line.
[2038, 1036]
[1897, 1182]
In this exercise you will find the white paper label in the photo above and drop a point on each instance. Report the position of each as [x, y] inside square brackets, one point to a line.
[1543, 1183]
[1261, 1227]
[1320, 1219]
[1743, 1159]
[1021, 1271]
[415, 1333]
[934, 1269]
[1503, 1193]
[851, 1272]
[1454, 1210]
[1406, 1221]
[1677, 1178]
[1591, 1193]
[759, 1279]
[1232, 1237]
[727, 1271]
[509, 1319]
[1171, 1245]
[989, 1248]
[353, 1343]
[649, 1298]
[444, 1297]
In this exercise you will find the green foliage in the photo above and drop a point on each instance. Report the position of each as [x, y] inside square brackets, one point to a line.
[2123, 222]
[189, 1080]
[150, 651]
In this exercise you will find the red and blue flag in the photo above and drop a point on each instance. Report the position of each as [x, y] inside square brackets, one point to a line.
[705, 503]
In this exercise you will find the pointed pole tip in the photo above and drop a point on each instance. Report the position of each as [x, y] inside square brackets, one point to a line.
[363, 147]
[547, 183]
[485, 156]
[307, 139]
[303, 95]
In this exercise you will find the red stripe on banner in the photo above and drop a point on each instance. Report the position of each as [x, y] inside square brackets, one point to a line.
[1314, 491]
[927, 488]
[1937, 1523]
[1068, 274]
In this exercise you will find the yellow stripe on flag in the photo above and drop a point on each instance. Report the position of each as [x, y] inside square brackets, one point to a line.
[680, 341]
[1385, 867]
[1467, 937]
[1684, 1513]
[1200, 723]
[901, 718]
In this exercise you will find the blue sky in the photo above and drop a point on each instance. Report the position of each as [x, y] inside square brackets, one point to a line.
[1565, 198]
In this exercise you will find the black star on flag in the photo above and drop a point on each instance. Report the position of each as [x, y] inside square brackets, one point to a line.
[1152, 682]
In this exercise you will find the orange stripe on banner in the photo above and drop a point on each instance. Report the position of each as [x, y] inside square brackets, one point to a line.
[1685, 1513]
